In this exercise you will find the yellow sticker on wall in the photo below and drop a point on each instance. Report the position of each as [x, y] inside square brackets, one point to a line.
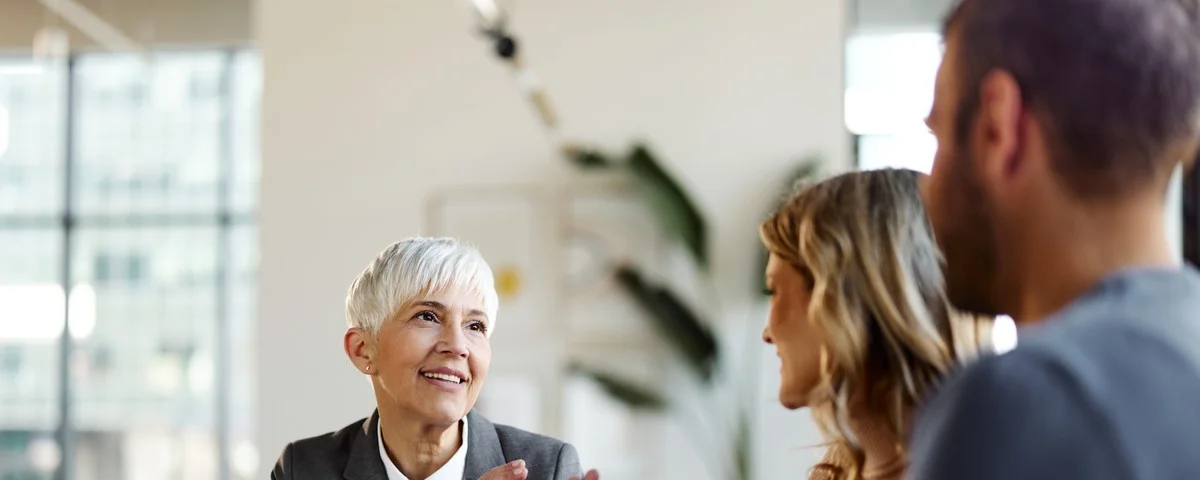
[508, 282]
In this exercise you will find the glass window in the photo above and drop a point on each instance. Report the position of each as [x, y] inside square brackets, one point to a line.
[32, 119]
[241, 285]
[31, 321]
[148, 132]
[244, 137]
[914, 151]
[889, 82]
[145, 345]
[162, 254]
[889, 90]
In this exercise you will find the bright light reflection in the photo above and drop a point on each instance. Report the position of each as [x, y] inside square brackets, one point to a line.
[44, 454]
[889, 81]
[23, 69]
[36, 312]
[244, 459]
[885, 111]
[83, 311]
[1004, 334]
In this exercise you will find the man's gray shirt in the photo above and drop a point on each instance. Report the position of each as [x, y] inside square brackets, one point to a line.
[1109, 388]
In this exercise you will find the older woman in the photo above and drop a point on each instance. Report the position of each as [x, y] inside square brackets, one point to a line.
[420, 318]
[859, 316]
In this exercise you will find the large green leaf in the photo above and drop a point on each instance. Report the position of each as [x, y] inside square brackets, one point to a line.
[741, 446]
[673, 320]
[674, 210]
[670, 203]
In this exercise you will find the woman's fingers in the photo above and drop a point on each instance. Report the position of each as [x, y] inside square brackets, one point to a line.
[514, 470]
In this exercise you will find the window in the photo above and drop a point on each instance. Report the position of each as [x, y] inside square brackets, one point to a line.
[128, 259]
[889, 89]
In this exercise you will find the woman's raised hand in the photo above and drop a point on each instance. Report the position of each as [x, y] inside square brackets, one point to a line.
[514, 470]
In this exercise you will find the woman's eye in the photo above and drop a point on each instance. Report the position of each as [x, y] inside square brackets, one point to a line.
[478, 327]
[427, 316]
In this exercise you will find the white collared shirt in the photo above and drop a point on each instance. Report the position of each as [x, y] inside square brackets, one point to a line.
[452, 470]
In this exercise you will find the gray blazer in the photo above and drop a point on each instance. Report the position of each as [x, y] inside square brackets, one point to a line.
[352, 453]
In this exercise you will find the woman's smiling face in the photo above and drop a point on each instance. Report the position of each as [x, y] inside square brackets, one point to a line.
[432, 357]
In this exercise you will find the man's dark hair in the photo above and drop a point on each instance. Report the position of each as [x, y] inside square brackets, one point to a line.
[1116, 82]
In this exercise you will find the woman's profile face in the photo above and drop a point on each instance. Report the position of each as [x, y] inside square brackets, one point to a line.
[433, 356]
[797, 340]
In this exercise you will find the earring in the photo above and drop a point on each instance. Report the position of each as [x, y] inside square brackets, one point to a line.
[368, 370]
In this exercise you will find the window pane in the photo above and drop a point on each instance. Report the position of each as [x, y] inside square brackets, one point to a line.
[889, 82]
[913, 151]
[148, 132]
[243, 310]
[143, 316]
[144, 305]
[246, 90]
[31, 320]
[32, 115]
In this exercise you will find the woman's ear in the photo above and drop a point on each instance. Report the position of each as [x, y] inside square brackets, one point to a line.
[360, 349]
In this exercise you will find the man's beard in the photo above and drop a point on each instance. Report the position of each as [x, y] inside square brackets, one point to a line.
[968, 242]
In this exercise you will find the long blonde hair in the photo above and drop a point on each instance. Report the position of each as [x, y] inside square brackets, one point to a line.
[864, 246]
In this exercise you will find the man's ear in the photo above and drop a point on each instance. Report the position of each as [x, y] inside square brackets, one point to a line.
[360, 349]
[999, 126]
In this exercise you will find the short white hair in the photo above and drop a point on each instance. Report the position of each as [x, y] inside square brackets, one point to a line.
[410, 269]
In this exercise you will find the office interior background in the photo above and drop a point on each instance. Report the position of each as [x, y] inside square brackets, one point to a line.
[187, 187]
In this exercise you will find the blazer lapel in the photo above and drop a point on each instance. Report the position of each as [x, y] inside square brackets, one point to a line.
[364, 462]
[483, 447]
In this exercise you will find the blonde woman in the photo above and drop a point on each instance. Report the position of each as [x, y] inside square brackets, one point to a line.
[859, 317]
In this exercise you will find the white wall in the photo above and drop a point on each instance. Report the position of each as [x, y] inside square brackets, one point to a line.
[371, 105]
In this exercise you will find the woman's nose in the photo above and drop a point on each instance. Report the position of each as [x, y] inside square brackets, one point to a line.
[766, 335]
[453, 342]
